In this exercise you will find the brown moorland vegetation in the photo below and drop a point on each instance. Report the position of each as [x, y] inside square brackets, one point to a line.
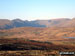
[56, 35]
[41, 34]
[22, 41]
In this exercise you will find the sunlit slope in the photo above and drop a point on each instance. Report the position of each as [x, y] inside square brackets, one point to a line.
[41, 34]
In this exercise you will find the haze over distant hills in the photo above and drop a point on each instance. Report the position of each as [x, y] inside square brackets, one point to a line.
[63, 22]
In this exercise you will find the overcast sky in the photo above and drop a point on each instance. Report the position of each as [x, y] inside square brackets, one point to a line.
[37, 9]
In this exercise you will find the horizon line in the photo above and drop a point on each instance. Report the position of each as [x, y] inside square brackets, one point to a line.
[36, 19]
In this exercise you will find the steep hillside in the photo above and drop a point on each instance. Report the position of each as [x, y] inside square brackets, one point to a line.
[70, 23]
[7, 24]
[4, 21]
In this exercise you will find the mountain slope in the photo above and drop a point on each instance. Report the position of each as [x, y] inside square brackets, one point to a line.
[63, 22]
[7, 24]
[70, 23]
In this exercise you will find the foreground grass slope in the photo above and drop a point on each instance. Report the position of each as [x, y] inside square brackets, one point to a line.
[22, 44]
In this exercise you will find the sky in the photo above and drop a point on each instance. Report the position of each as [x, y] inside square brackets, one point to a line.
[37, 9]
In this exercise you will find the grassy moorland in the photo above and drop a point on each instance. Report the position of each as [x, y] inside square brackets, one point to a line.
[57, 35]
[24, 47]
[19, 40]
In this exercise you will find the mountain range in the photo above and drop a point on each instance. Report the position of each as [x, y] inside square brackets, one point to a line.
[63, 22]
[58, 33]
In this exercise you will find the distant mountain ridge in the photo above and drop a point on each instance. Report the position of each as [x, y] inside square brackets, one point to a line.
[63, 22]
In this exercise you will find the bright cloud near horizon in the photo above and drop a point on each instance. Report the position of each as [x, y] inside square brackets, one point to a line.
[37, 9]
